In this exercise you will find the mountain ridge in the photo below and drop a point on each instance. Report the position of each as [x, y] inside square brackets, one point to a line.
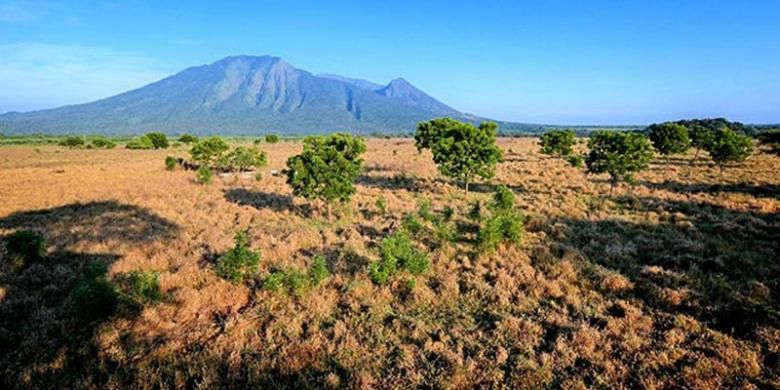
[245, 95]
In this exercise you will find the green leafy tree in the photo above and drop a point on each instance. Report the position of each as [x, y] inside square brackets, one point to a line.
[208, 151]
[669, 138]
[558, 142]
[701, 138]
[459, 149]
[242, 159]
[271, 138]
[728, 146]
[327, 168]
[159, 140]
[620, 154]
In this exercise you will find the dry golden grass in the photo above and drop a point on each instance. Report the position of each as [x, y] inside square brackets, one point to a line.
[671, 283]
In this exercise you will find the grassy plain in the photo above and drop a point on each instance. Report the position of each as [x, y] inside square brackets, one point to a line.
[674, 282]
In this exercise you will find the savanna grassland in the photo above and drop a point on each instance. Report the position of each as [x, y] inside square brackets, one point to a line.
[671, 283]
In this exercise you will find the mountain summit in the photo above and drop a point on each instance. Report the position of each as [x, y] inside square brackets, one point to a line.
[245, 95]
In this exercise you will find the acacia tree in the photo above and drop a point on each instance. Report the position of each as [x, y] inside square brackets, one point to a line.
[208, 151]
[159, 140]
[701, 139]
[620, 154]
[558, 142]
[669, 138]
[728, 146]
[327, 168]
[460, 150]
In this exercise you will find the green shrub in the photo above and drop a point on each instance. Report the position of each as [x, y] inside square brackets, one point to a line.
[208, 151]
[187, 139]
[159, 140]
[271, 138]
[24, 247]
[318, 270]
[411, 224]
[141, 143]
[397, 252]
[502, 227]
[73, 142]
[424, 209]
[94, 298]
[142, 286]
[102, 143]
[239, 262]
[170, 163]
[558, 142]
[204, 174]
[447, 213]
[576, 161]
[444, 232]
[620, 154]
[503, 199]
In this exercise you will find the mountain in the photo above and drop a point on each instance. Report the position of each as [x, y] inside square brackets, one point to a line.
[244, 95]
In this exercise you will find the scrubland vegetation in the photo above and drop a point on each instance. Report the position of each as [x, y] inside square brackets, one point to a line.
[452, 260]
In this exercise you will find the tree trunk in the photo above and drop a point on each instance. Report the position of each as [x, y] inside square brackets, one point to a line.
[466, 182]
[695, 156]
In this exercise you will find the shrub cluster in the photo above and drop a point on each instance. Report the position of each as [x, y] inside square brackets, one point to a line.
[558, 142]
[170, 163]
[271, 138]
[153, 140]
[73, 142]
[397, 253]
[239, 262]
[187, 139]
[504, 225]
[295, 281]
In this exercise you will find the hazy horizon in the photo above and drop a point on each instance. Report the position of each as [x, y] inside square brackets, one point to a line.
[562, 64]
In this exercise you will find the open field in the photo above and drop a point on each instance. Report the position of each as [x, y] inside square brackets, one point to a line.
[675, 282]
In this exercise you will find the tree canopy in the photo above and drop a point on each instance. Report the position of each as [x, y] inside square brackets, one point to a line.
[460, 150]
[728, 146]
[669, 138]
[620, 154]
[558, 142]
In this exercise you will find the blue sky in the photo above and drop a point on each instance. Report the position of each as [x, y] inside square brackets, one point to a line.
[561, 62]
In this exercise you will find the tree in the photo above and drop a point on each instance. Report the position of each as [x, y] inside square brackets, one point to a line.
[558, 142]
[271, 138]
[73, 142]
[728, 146]
[327, 168]
[142, 142]
[429, 132]
[208, 151]
[159, 140]
[242, 159]
[669, 138]
[701, 138]
[461, 150]
[620, 154]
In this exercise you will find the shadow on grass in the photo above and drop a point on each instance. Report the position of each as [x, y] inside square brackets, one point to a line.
[763, 190]
[396, 182]
[710, 262]
[52, 308]
[266, 200]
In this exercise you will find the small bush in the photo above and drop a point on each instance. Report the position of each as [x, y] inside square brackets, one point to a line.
[204, 174]
[424, 209]
[411, 224]
[187, 139]
[500, 228]
[73, 142]
[242, 159]
[141, 143]
[397, 252]
[170, 163]
[239, 262]
[503, 199]
[24, 246]
[258, 176]
[444, 232]
[94, 298]
[271, 138]
[102, 143]
[297, 282]
[318, 270]
[159, 140]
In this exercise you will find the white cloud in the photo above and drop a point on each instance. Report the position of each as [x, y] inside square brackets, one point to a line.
[40, 75]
